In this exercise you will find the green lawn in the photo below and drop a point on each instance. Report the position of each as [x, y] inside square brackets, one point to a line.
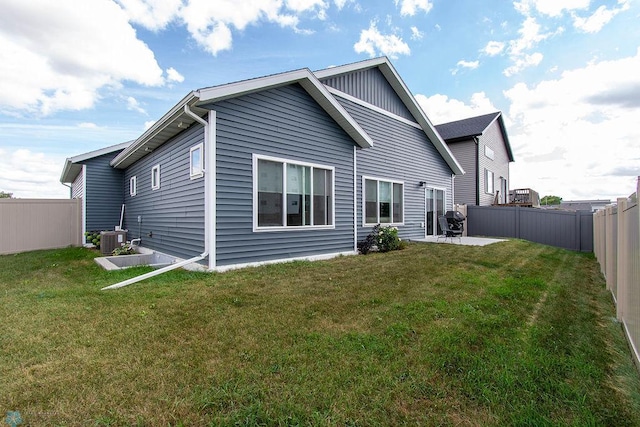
[513, 333]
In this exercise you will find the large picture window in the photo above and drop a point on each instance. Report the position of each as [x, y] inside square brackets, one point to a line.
[383, 201]
[290, 195]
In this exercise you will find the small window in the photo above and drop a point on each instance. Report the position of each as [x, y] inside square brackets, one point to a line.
[488, 152]
[196, 169]
[290, 195]
[155, 177]
[133, 185]
[488, 181]
[383, 202]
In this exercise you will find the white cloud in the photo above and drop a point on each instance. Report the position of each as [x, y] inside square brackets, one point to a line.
[173, 75]
[550, 7]
[411, 7]
[442, 109]
[148, 124]
[601, 17]
[211, 23]
[569, 133]
[522, 62]
[494, 48]
[373, 43]
[471, 65]
[87, 125]
[134, 105]
[29, 174]
[152, 14]
[416, 34]
[51, 69]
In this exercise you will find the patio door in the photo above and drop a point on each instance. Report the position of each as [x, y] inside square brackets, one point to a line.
[434, 207]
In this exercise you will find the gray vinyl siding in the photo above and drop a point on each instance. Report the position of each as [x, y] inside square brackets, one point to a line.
[174, 213]
[492, 137]
[285, 123]
[77, 187]
[465, 185]
[103, 193]
[370, 86]
[400, 152]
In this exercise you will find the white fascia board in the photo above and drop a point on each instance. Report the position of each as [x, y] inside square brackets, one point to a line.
[349, 68]
[308, 81]
[407, 98]
[71, 169]
[168, 118]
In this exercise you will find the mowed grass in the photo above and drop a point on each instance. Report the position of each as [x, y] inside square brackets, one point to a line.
[513, 333]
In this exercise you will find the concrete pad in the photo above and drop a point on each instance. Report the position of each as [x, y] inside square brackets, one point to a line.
[464, 240]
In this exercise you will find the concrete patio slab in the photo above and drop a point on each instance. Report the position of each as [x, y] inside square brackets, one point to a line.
[464, 240]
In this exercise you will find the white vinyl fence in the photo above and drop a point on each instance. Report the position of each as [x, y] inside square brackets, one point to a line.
[31, 224]
[616, 232]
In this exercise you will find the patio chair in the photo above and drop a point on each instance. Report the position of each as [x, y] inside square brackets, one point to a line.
[447, 231]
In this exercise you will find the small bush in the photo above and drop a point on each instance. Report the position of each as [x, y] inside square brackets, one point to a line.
[123, 250]
[93, 237]
[384, 238]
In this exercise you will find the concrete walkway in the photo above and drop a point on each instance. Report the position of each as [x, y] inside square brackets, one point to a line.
[464, 240]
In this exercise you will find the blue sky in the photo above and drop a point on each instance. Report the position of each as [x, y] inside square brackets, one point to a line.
[86, 74]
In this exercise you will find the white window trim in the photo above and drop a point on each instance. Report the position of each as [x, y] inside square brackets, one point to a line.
[156, 185]
[201, 173]
[256, 228]
[487, 180]
[133, 185]
[364, 202]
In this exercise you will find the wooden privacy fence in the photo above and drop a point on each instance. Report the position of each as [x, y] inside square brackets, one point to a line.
[564, 229]
[31, 224]
[616, 232]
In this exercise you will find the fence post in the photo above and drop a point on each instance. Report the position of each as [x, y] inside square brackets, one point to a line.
[577, 241]
[516, 221]
[621, 267]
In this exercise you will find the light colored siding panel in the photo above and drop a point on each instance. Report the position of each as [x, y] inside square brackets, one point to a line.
[77, 187]
[492, 138]
[285, 123]
[372, 87]
[103, 195]
[465, 185]
[404, 153]
[175, 212]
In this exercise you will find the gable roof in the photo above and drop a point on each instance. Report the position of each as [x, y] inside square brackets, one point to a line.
[464, 129]
[393, 78]
[177, 119]
[73, 165]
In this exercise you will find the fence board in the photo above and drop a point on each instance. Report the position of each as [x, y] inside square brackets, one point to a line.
[616, 232]
[564, 229]
[32, 224]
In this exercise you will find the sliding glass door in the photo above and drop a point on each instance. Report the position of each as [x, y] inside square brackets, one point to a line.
[434, 207]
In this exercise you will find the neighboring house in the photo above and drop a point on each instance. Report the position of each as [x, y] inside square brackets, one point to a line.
[481, 145]
[580, 205]
[297, 165]
[98, 185]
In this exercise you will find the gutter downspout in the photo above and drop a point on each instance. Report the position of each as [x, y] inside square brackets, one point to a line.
[478, 189]
[207, 225]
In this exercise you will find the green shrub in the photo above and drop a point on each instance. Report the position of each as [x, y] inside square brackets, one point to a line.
[384, 238]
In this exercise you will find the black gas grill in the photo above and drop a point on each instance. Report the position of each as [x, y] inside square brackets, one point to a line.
[455, 220]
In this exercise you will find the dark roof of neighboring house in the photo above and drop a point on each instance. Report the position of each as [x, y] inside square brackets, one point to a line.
[464, 129]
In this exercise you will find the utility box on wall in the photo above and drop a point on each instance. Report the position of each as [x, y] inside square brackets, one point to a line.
[109, 240]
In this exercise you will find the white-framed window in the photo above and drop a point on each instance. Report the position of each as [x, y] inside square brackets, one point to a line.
[155, 177]
[196, 162]
[133, 185]
[488, 181]
[290, 195]
[488, 152]
[383, 201]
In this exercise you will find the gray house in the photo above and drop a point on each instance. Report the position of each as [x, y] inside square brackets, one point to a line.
[481, 145]
[297, 165]
[90, 178]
